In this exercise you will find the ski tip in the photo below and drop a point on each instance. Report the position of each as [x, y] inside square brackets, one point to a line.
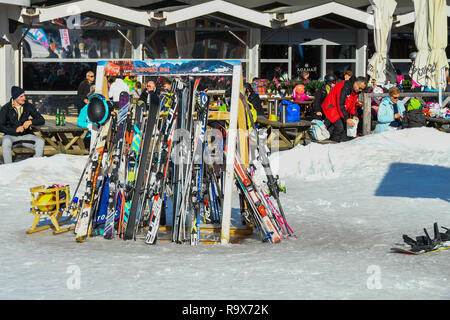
[81, 239]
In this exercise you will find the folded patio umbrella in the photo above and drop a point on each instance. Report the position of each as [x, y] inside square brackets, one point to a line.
[418, 71]
[437, 41]
[380, 68]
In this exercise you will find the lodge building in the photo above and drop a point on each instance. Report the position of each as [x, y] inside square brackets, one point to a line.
[47, 46]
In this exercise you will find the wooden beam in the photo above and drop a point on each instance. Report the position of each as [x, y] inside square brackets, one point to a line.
[95, 6]
[331, 7]
[214, 6]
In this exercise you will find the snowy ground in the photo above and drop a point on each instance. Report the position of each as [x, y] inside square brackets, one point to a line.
[349, 203]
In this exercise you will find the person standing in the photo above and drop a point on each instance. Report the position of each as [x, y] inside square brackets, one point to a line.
[15, 123]
[83, 90]
[130, 82]
[149, 95]
[117, 86]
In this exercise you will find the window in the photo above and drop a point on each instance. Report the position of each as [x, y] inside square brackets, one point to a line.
[306, 58]
[338, 69]
[401, 46]
[274, 51]
[341, 52]
[402, 67]
[47, 104]
[77, 43]
[190, 41]
[53, 76]
[271, 70]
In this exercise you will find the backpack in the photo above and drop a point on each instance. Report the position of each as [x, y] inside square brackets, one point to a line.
[292, 111]
[318, 131]
[413, 119]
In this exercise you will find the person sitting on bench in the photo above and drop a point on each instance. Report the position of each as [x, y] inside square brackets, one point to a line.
[15, 123]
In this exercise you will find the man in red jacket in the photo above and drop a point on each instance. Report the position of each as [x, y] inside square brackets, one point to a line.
[339, 107]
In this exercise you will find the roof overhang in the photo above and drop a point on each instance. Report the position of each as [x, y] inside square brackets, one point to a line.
[161, 18]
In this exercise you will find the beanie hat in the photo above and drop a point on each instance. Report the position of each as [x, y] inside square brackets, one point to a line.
[16, 92]
[414, 104]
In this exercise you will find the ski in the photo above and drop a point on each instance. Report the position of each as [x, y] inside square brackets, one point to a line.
[133, 162]
[268, 229]
[137, 201]
[196, 206]
[86, 213]
[114, 184]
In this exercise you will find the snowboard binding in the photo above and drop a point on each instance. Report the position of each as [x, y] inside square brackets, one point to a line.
[425, 243]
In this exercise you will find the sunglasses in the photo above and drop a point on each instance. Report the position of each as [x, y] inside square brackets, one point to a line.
[396, 97]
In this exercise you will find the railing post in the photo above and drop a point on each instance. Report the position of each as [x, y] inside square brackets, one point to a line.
[367, 121]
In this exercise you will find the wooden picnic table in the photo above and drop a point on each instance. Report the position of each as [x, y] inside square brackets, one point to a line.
[63, 139]
[298, 130]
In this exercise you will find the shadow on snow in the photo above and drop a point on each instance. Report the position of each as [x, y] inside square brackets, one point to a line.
[415, 181]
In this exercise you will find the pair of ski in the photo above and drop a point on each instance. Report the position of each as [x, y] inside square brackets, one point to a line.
[182, 157]
[268, 216]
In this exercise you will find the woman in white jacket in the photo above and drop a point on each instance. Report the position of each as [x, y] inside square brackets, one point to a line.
[390, 111]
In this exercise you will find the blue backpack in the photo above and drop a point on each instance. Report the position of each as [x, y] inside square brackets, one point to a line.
[292, 111]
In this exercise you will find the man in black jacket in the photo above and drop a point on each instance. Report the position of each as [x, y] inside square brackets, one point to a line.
[84, 89]
[15, 123]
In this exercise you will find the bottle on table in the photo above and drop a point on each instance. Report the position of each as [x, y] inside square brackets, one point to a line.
[63, 119]
[57, 117]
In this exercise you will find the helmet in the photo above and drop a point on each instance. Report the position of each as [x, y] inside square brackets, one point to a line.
[330, 78]
[98, 109]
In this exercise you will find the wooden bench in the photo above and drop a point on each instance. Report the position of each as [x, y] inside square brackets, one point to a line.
[17, 149]
[324, 141]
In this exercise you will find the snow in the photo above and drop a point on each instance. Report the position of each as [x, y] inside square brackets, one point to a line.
[348, 203]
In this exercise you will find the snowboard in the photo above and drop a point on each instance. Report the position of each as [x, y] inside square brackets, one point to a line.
[403, 249]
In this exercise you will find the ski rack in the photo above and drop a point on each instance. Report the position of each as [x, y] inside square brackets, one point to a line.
[196, 68]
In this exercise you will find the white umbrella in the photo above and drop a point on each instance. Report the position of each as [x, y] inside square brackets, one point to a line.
[379, 67]
[418, 71]
[437, 40]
